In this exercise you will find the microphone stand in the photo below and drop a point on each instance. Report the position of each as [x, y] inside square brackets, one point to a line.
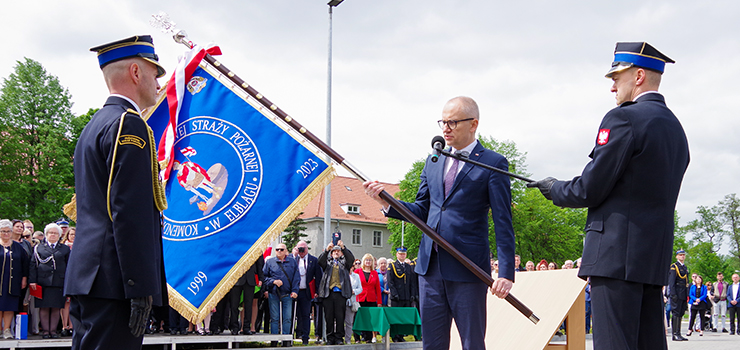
[463, 156]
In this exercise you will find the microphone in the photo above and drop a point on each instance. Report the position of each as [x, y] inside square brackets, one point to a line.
[438, 143]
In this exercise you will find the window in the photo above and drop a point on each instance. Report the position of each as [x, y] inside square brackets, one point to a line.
[377, 238]
[356, 236]
[350, 208]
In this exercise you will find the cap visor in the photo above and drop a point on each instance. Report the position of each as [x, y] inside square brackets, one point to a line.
[618, 68]
[160, 70]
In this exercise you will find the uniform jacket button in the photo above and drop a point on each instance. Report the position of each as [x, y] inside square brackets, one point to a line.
[130, 282]
[443, 209]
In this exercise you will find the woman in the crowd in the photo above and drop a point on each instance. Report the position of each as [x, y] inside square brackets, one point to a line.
[335, 288]
[13, 276]
[349, 313]
[370, 296]
[552, 266]
[698, 302]
[542, 265]
[68, 240]
[384, 288]
[48, 266]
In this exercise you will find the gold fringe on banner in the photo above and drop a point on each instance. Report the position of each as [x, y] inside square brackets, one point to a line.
[179, 303]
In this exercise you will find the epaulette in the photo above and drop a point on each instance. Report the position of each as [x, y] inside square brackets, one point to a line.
[132, 111]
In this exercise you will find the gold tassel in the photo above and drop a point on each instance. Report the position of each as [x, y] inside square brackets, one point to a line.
[70, 209]
[181, 305]
[160, 200]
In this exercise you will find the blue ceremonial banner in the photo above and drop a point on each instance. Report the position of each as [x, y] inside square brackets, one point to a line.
[238, 177]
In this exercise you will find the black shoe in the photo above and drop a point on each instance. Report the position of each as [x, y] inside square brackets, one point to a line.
[46, 336]
[732, 333]
[287, 343]
[273, 344]
[54, 335]
[714, 330]
[234, 331]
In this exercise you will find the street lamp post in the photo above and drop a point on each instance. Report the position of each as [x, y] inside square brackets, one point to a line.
[327, 191]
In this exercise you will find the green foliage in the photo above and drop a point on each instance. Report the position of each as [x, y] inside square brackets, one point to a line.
[730, 212]
[708, 227]
[293, 233]
[703, 260]
[36, 175]
[679, 234]
[407, 193]
[543, 231]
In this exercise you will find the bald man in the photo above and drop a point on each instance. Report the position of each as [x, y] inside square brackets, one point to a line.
[455, 198]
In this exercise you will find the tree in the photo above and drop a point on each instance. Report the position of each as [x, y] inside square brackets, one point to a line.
[709, 227]
[36, 175]
[703, 259]
[294, 232]
[730, 212]
[545, 231]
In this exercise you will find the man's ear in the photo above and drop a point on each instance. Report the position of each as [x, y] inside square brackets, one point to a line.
[134, 71]
[640, 77]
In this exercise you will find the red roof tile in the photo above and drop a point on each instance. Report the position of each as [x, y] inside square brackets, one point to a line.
[348, 190]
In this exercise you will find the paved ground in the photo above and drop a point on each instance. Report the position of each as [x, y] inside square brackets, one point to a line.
[710, 341]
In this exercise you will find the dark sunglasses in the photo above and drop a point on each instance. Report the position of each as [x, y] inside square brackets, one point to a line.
[279, 249]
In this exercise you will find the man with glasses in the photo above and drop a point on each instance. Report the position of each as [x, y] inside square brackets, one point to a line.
[455, 198]
[310, 274]
[282, 281]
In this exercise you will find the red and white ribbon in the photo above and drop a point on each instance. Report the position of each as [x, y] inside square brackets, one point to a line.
[175, 91]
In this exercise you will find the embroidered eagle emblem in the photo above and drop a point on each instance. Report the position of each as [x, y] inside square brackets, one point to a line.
[603, 137]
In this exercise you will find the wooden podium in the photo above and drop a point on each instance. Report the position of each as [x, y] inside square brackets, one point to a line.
[555, 296]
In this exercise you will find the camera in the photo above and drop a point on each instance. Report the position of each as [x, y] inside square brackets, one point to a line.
[301, 249]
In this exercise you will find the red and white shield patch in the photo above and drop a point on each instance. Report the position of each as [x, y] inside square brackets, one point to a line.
[603, 137]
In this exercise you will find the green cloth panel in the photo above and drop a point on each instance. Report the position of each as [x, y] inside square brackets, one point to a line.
[400, 320]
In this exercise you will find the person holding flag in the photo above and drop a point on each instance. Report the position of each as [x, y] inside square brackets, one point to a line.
[116, 272]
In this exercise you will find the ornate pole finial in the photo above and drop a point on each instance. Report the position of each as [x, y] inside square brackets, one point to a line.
[162, 21]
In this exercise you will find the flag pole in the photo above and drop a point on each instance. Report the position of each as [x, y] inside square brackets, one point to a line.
[181, 37]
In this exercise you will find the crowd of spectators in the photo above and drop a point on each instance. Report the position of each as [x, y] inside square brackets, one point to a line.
[713, 304]
[33, 270]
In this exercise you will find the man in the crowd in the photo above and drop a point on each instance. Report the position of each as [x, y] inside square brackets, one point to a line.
[568, 264]
[733, 303]
[116, 271]
[677, 292]
[530, 265]
[282, 281]
[517, 262]
[310, 273]
[720, 302]
[630, 189]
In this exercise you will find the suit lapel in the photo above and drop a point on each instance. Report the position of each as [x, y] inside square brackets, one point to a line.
[467, 167]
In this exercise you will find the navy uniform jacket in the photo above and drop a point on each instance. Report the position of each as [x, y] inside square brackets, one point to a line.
[51, 273]
[118, 247]
[678, 281]
[462, 218]
[630, 188]
[401, 281]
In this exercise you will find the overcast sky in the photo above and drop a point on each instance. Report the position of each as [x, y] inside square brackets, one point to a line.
[536, 69]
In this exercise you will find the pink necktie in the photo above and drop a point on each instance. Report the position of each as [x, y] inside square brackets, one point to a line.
[450, 177]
